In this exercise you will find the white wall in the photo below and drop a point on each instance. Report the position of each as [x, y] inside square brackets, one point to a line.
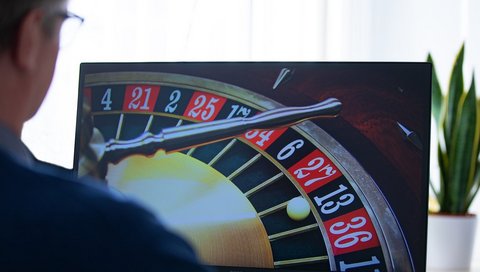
[407, 30]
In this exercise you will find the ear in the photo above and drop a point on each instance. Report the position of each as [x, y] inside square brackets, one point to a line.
[29, 40]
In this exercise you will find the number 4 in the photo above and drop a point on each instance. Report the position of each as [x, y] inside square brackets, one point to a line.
[107, 99]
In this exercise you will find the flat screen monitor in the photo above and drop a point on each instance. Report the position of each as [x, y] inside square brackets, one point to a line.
[289, 166]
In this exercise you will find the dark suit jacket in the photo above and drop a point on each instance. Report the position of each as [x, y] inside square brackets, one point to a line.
[49, 221]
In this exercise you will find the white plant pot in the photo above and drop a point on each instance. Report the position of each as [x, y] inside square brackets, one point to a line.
[450, 241]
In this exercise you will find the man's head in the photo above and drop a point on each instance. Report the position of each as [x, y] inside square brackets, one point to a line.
[12, 13]
[29, 38]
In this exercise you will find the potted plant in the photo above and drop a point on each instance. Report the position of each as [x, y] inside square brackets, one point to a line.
[456, 113]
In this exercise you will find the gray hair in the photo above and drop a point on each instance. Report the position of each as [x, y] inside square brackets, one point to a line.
[12, 13]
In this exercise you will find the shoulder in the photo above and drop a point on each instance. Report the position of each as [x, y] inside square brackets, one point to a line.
[83, 223]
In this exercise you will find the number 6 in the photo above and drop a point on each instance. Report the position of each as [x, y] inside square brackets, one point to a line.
[288, 150]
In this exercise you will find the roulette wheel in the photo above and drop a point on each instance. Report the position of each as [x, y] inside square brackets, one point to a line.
[206, 146]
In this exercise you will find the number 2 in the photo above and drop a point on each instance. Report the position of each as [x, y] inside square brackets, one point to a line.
[174, 98]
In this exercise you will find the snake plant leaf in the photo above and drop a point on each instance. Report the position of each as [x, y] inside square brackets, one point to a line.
[437, 97]
[463, 150]
[476, 125]
[435, 191]
[443, 188]
[454, 93]
[476, 186]
[458, 118]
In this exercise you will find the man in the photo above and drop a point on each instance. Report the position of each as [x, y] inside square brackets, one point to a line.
[49, 221]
